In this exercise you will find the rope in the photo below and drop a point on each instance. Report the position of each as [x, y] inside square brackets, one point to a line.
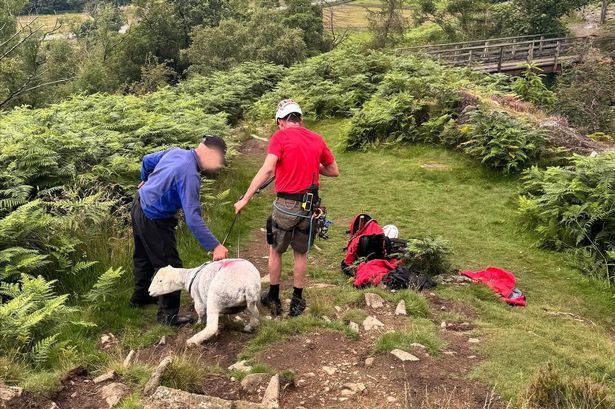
[308, 216]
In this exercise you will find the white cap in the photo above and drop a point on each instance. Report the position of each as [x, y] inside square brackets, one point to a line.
[287, 106]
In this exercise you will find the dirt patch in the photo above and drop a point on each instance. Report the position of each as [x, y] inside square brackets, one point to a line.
[76, 391]
[222, 350]
[388, 381]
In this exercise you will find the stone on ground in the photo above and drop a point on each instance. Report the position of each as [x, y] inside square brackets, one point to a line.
[9, 392]
[114, 393]
[104, 377]
[329, 370]
[369, 361]
[154, 381]
[129, 358]
[403, 355]
[354, 326]
[371, 323]
[373, 300]
[251, 383]
[271, 397]
[241, 366]
[401, 308]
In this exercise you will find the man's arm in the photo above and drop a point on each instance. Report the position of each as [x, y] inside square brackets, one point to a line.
[149, 164]
[188, 190]
[264, 173]
[330, 170]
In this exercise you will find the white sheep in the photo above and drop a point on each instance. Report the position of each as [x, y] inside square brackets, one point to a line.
[220, 287]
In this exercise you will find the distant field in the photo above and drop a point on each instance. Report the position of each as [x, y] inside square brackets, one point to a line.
[48, 21]
[352, 15]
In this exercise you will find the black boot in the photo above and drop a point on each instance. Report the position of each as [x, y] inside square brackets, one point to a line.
[275, 305]
[175, 320]
[297, 307]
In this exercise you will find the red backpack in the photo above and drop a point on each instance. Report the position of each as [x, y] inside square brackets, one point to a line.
[367, 240]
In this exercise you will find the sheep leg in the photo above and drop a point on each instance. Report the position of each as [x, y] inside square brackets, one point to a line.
[211, 328]
[253, 317]
[200, 309]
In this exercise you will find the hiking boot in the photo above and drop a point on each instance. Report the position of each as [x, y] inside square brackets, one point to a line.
[176, 320]
[275, 305]
[297, 307]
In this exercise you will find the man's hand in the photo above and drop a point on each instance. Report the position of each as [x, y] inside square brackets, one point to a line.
[240, 205]
[220, 253]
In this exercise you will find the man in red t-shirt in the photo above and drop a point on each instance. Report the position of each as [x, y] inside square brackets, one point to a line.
[296, 156]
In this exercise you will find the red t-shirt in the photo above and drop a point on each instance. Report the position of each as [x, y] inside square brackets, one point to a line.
[300, 153]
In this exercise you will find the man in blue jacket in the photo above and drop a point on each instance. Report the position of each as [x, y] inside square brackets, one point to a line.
[171, 180]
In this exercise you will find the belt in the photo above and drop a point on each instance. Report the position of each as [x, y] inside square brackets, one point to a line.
[297, 197]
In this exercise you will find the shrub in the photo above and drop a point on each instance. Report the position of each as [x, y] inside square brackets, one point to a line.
[501, 141]
[531, 87]
[552, 390]
[427, 255]
[573, 207]
[586, 95]
[331, 84]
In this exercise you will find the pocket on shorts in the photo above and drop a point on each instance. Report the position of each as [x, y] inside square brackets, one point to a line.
[281, 216]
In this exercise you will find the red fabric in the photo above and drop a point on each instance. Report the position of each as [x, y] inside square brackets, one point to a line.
[372, 272]
[500, 281]
[371, 227]
[300, 153]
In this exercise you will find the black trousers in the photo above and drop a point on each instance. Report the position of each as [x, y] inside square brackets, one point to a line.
[155, 247]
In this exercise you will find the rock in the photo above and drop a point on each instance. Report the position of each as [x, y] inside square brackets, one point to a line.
[391, 399]
[170, 398]
[347, 392]
[129, 358]
[338, 308]
[403, 355]
[107, 340]
[473, 340]
[105, 377]
[154, 381]
[252, 382]
[310, 374]
[451, 353]
[371, 323]
[354, 387]
[241, 366]
[417, 345]
[53, 406]
[373, 300]
[472, 357]
[329, 370]
[443, 324]
[9, 392]
[401, 308]
[114, 393]
[163, 340]
[354, 326]
[369, 361]
[271, 397]
[266, 279]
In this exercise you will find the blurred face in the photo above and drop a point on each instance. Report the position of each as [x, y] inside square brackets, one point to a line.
[211, 161]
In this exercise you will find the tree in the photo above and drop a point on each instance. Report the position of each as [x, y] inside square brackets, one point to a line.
[459, 19]
[544, 16]
[262, 38]
[304, 15]
[23, 63]
[387, 24]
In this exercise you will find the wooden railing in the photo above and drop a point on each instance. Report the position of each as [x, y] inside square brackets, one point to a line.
[505, 54]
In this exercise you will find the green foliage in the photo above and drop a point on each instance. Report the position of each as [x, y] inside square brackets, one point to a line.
[459, 19]
[104, 288]
[586, 95]
[572, 207]
[388, 24]
[330, 84]
[550, 389]
[29, 311]
[531, 87]
[427, 255]
[502, 141]
[420, 331]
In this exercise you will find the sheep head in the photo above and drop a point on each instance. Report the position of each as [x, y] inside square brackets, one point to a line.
[167, 280]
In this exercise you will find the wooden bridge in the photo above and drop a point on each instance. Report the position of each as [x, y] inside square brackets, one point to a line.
[547, 51]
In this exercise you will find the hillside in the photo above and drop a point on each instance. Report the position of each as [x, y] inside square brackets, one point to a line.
[454, 158]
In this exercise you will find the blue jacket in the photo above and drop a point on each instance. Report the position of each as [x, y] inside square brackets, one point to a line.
[172, 182]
